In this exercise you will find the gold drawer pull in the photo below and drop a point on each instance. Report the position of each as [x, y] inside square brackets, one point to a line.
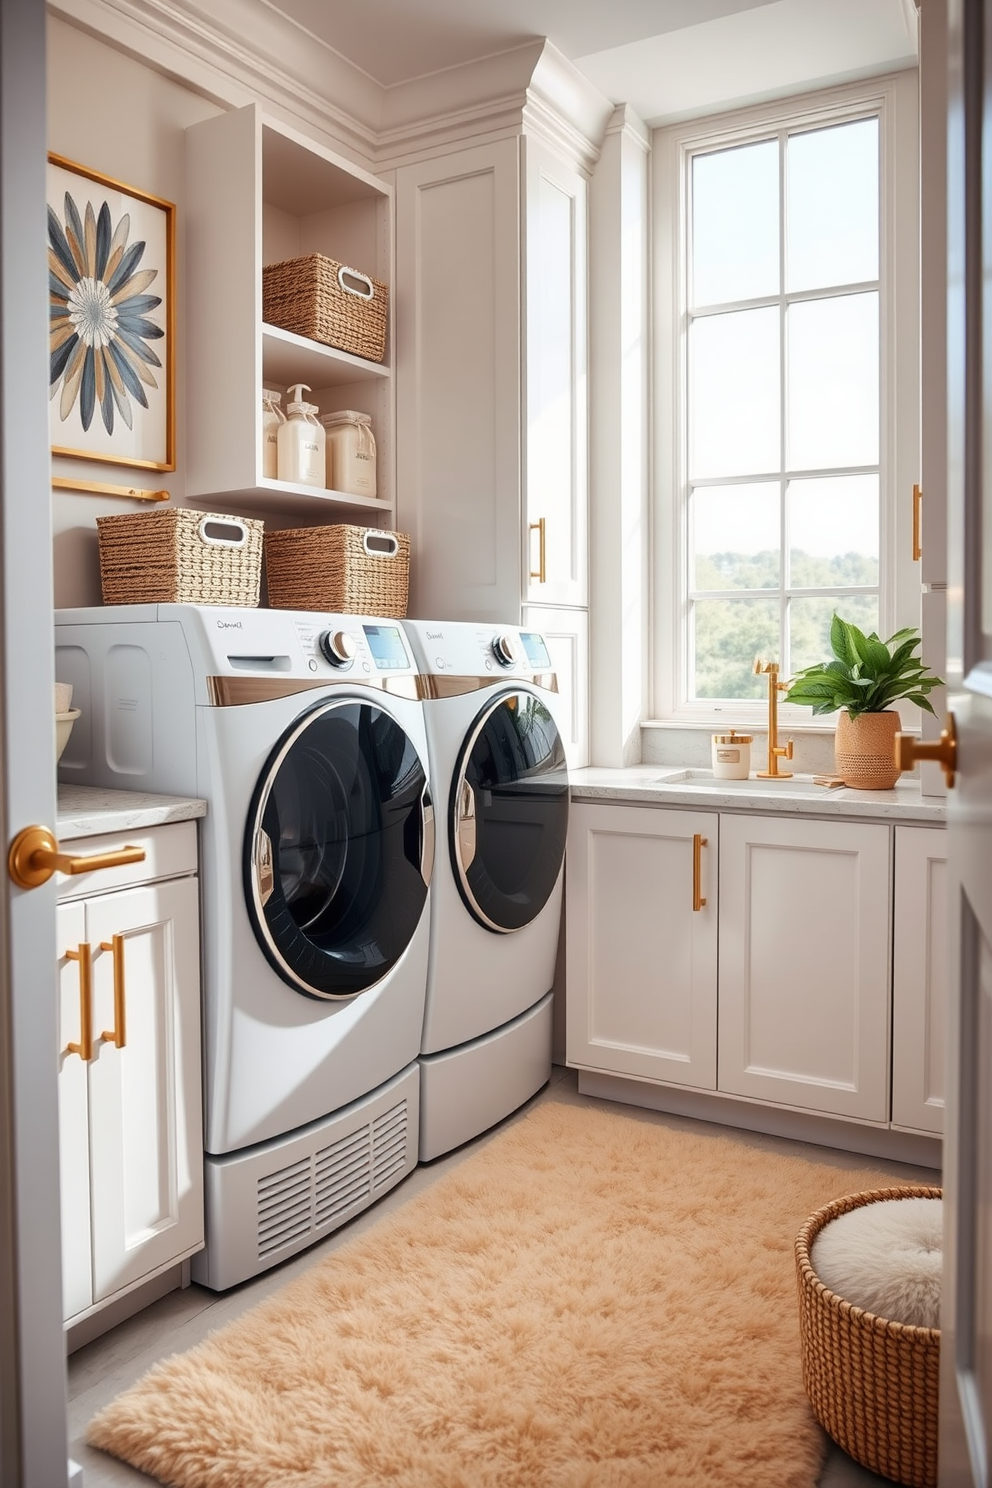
[917, 538]
[698, 843]
[118, 1034]
[85, 1046]
[34, 856]
[541, 572]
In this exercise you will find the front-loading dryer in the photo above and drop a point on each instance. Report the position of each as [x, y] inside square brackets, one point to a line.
[498, 765]
[305, 735]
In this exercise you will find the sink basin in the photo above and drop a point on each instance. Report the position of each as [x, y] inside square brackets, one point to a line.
[795, 785]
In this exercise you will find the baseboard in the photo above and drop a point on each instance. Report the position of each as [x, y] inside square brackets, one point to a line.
[800, 1126]
[80, 1334]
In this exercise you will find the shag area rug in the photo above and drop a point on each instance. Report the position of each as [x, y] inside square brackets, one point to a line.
[588, 1301]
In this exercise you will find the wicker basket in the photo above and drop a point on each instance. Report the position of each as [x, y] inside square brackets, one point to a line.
[352, 570]
[177, 556]
[872, 1383]
[326, 301]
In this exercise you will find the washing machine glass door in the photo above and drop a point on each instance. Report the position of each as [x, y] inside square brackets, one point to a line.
[338, 849]
[508, 813]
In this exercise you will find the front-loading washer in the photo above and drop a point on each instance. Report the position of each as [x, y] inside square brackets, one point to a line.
[305, 735]
[492, 707]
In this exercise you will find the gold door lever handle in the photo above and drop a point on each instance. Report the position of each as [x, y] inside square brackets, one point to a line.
[34, 856]
[118, 1034]
[698, 843]
[541, 572]
[944, 750]
[85, 1046]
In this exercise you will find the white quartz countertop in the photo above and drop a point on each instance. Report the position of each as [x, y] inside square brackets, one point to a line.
[665, 785]
[92, 810]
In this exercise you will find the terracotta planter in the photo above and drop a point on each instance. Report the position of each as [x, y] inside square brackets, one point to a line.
[864, 750]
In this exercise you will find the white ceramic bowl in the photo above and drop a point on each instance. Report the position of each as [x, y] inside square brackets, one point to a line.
[63, 697]
[63, 728]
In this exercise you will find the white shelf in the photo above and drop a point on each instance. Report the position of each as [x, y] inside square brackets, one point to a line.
[288, 358]
[275, 496]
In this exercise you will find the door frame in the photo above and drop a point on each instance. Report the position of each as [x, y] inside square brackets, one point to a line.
[33, 1428]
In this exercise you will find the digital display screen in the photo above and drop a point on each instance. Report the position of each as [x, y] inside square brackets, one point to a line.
[386, 645]
[537, 651]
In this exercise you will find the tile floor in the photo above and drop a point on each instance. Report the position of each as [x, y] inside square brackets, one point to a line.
[176, 1322]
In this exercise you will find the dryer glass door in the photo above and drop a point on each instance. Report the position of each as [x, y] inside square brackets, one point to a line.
[508, 812]
[338, 849]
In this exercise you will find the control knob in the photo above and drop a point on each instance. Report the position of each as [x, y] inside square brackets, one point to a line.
[338, 647]
[503, 649]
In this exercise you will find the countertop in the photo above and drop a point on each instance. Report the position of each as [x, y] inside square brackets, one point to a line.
[661, 785]
[92, 810]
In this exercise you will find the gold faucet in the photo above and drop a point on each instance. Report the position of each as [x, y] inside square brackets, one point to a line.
[776, 751]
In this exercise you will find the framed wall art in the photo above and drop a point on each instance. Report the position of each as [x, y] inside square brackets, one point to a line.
[112, 312]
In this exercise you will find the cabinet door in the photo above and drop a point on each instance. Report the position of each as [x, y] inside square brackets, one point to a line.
[919, 978]
[640, 960]
[74, 1146]
[145, 1126]
[555, 235]
[804, 963]
[567, 635]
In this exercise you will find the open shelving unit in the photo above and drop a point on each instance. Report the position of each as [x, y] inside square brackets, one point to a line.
[258, 192]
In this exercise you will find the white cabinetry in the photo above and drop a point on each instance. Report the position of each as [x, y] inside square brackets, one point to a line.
[492, 389]
[920, 973]
[804, 963]
[129, 1056]
[258, 192]
[641, 956]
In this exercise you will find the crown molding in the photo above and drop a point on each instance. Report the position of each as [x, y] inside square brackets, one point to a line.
[566, 109]
[204, 47]
[628, 122]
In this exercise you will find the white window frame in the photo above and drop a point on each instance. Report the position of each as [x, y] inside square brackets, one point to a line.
[895, 99]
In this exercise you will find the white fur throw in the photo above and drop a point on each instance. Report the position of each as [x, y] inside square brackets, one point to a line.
[885, 1257]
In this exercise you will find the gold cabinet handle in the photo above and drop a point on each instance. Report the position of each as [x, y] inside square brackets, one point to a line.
[698, 843]
[944, 750]
[85, 1046]
[118, 1034]
[917, 541]
[34, 856]
[541, 572]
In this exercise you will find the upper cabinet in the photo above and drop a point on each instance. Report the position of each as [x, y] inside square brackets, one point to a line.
[260, 193]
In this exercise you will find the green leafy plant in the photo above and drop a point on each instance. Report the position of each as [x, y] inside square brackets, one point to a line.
[866, 675]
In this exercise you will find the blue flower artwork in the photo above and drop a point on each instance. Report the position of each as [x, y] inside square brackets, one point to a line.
[107, 342]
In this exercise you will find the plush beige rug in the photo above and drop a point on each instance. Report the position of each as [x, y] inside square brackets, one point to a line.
[589, 1301]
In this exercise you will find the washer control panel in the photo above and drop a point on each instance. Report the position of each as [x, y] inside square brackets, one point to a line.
[468, 649]
[354, 645]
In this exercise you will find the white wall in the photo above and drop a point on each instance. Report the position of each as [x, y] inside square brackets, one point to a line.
[109, 112]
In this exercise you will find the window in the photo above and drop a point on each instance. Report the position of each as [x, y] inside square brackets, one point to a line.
[778, 449]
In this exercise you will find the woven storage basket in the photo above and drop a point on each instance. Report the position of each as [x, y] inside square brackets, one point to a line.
[326, 301]
[354, 570]
[872, 1382]
[177, 556]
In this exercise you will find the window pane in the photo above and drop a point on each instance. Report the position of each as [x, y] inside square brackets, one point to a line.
[809, 625]
[735, 536]
[832, 385]
[728, 635]
[734, 393]
[735, 224]
[833, 532]
[832, 206]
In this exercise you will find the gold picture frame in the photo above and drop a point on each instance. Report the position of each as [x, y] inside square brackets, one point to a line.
[112, 319]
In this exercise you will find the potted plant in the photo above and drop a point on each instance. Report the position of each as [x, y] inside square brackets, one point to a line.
[863, 680]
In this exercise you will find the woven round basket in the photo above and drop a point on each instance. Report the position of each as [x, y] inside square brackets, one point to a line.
[872, 1382]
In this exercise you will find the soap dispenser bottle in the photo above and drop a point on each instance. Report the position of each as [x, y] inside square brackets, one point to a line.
[301, 442]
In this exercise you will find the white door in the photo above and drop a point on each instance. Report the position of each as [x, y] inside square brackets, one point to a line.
[966, 1309]
[144, 1095]
[32, 1360]
[641, 942]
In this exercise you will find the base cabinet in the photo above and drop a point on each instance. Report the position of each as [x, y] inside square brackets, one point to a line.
[805, 917]
[129, 1082]
[782, 988]
[919, 981]
[641, 943]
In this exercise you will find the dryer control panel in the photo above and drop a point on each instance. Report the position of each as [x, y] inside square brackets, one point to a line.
[463, 648]
[354, 646]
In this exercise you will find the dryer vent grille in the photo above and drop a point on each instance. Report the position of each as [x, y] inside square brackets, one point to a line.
[322, 1191]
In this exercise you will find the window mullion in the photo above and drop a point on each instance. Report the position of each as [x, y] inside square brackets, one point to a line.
[784, 574]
